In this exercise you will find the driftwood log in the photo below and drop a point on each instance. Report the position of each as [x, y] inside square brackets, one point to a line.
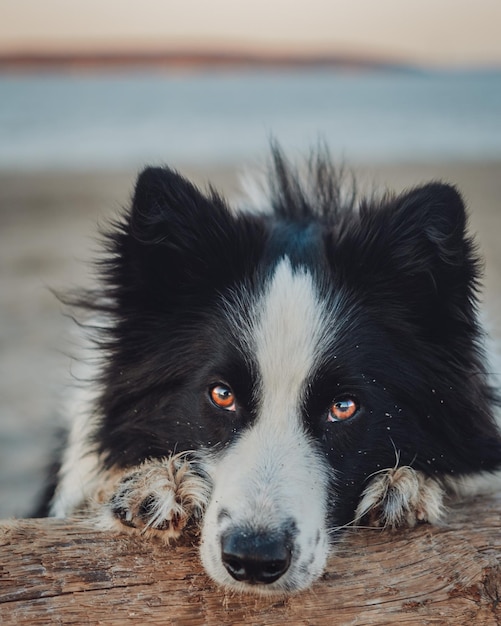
[65, 572]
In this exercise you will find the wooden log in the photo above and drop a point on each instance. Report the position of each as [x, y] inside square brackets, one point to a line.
[66, 572]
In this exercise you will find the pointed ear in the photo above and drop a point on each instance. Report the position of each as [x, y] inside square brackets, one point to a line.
[169, 210]
[175, 241]
[414, 252]
[428, 228]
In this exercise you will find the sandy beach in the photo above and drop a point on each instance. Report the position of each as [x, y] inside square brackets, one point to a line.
[48, 226]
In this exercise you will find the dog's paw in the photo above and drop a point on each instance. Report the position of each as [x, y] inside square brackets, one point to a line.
[158, 497]
[400, 496]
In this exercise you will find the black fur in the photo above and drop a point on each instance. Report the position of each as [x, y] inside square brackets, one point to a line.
[409, 345]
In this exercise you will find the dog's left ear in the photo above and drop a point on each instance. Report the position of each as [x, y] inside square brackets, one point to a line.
[433, 257]
[428, 225]
[413, 252]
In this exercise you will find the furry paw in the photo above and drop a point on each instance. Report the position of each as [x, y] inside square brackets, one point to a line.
[401, 496]
[158, 497]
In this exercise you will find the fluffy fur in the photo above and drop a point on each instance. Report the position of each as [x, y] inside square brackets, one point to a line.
[276, 374]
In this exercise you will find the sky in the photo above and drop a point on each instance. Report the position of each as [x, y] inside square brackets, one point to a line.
[437, 32]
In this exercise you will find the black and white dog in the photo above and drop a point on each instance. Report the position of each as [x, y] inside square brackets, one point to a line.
[278, 373]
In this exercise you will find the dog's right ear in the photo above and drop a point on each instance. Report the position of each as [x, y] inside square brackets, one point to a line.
[178, 240]
[170, 211]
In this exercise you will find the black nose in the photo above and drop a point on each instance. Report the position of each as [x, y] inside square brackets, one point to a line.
[255, 558]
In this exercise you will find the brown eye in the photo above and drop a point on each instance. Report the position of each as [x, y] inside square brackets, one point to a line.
[342, 409]
[222, 397]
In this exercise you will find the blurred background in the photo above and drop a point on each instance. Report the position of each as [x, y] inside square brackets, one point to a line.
[403, 92]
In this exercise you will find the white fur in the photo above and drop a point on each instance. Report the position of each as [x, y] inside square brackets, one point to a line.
[78, 476]
[256, 193]
[483, 483]
[172, 491]
[273, 473]
[401, 496]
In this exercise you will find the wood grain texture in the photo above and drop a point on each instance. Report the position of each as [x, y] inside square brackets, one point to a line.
[65, 572]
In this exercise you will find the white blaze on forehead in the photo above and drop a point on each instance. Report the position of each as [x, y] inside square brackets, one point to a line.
[287, 337]
[273, 472]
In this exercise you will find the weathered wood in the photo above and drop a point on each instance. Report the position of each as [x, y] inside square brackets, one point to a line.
[65, 572]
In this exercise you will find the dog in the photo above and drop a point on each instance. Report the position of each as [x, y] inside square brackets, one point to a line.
[277, 372]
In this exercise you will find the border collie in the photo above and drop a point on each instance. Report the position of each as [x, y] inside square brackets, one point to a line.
[274, 374]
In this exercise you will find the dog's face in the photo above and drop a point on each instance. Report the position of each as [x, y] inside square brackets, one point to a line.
[298, 354]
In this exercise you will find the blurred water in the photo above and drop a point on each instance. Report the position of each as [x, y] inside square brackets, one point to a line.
[109, 120]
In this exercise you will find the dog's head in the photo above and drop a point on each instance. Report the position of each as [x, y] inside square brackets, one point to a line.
[299, 352]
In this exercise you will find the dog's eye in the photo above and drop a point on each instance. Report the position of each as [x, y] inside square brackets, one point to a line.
[223, 397]
[342, 409]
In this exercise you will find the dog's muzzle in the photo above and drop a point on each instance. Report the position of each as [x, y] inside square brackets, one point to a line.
[265, 527]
